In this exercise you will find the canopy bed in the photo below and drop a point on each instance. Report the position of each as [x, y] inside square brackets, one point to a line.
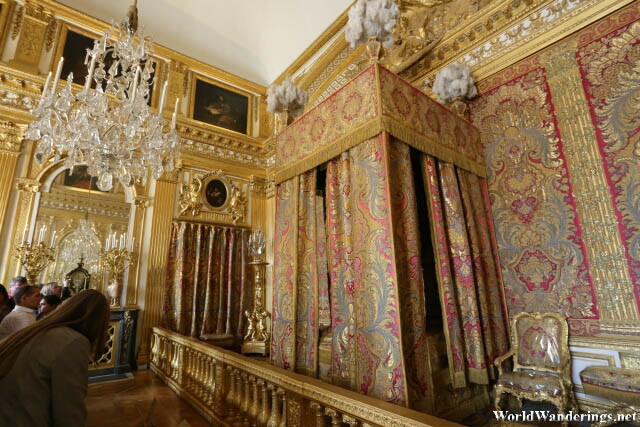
[383, 223]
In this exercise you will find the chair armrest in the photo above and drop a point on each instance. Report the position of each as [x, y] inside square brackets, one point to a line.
[499, 360]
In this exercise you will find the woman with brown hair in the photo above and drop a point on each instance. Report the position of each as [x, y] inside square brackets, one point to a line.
[44, 367]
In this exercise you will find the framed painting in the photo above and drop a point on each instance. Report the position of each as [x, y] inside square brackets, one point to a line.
[215, 192]
[72, 46]
[220, 105]
[80, 179]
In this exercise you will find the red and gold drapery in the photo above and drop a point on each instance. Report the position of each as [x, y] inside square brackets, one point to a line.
[208, 285]
[364, 132]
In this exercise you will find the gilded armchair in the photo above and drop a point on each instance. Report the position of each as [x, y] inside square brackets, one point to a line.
[541, 361]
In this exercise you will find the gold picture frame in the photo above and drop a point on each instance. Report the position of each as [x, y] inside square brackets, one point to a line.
[220, 106]
[215, 190]
[74, 59]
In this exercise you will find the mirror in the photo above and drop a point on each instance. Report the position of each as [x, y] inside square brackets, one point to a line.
[82, 217]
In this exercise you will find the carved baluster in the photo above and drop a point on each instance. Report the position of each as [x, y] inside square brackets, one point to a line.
[274, 420]
[254, 403]
[181, 367]
[294, 411]
[231, 395]
[199, 375]
[317, 408]
[265, 414]
[210, 381]
[237, 402]
[349, 420]
[218, 394]
[174, 361]
[163, 355]
[154, 349]
[335, 417]
[244, 408]
[283, 397]
[187, 368]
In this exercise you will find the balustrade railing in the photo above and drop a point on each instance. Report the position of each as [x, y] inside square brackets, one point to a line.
[230, 389]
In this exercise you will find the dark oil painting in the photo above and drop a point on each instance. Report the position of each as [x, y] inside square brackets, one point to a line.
[220, 107]
[74, 54]
[216, 193]
[80, 179]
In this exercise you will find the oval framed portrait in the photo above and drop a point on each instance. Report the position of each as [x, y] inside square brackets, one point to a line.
[216, 193]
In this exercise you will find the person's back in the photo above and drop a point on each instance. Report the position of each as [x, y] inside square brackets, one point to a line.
[48, 382]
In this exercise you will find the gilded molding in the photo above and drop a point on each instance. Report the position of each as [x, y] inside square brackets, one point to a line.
[258, 185]
[142, 202]
[630, 361]
[83, 202]
[11, 137]
[27, 185]
[508, 32]
[17, 22]
[611, 361]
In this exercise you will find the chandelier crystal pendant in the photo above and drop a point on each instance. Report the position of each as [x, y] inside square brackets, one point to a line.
[109, 128]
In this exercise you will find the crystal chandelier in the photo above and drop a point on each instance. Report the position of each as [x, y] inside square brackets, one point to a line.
[82, 244]
[111, 128]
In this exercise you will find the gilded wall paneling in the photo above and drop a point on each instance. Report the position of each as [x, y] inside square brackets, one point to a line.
[35, 33]
[10, 147]
[630, 361]
[501, 35]
[163, 212]
[7, 8]
[177, 75]
[605, 252]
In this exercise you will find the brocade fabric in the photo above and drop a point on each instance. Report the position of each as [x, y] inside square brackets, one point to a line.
[208, 285]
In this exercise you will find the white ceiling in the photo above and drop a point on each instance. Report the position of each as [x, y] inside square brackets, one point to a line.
[254, 39]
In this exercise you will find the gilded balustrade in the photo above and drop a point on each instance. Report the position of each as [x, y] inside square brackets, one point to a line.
[230, 389]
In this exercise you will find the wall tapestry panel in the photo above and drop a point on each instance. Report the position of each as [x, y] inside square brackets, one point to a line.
[561, 137]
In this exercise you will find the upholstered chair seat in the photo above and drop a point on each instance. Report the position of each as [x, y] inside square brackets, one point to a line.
[532, 382]
[541, 361]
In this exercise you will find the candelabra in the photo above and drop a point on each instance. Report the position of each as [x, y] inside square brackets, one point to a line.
[257, 338]
[116, 258]
[35, 258]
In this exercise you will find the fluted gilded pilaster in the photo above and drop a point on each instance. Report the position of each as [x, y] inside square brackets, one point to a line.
[163, 210]
[10, 147]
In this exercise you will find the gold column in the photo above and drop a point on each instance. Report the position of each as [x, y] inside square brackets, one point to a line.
[37, 24]
[28, 189]
[141, 203]
[163, 209]
[258, 189]
[605, 252]
[10, 146]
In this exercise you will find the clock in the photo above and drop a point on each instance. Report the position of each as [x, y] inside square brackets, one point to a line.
[78, 279]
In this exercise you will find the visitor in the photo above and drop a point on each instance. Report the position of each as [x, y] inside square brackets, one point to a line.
[48, 303]
[52, 288]
[4, 302]
[15, 283]
[44, 367]
[27, 300]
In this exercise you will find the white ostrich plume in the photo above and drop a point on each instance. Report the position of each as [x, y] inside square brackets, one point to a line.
[371, 18]
[287, 95]
[454, 81]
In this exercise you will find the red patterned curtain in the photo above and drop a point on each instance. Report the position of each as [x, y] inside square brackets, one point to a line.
[468, 270]
[301, 284]
[208, 280]
[367, 353]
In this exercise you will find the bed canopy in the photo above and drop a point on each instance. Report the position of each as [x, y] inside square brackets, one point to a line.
[348, 258]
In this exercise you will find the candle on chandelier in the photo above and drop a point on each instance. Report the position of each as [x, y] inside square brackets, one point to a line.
[131, 244]
[113, 240]
[42, 231]
[87, 82]
[45, 88]
[121, 241]
[53, 239]
[57, 79]
[175, 112]
[135, 84]
[24, 236]
[106, 245]
[163, 97]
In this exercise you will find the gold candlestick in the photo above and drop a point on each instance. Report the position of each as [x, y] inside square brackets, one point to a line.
[116, 260]
[257, 338]
[34, 259]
